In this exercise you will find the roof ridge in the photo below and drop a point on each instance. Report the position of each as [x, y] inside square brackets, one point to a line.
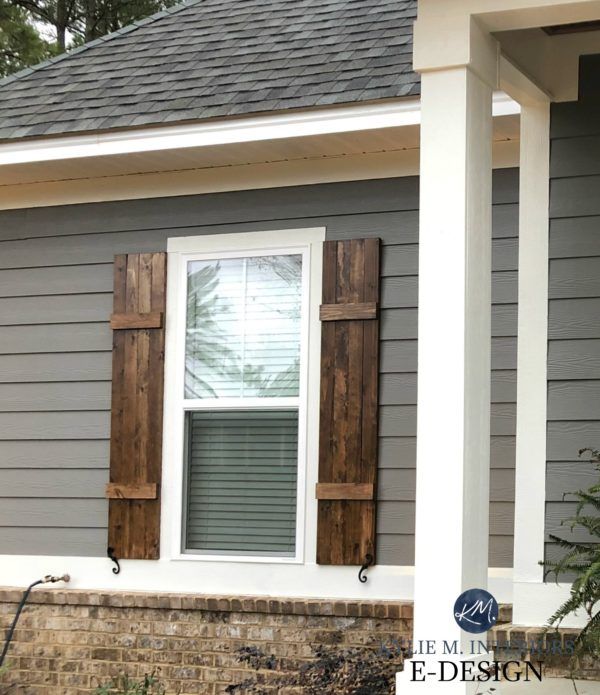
[184, 4]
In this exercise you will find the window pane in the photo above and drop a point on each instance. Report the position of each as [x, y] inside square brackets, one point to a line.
[243, 327]
[242, 478]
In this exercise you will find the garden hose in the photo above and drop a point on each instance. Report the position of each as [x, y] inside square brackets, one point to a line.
[48, 579]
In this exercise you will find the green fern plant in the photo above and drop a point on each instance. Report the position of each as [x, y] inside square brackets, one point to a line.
[583, 561]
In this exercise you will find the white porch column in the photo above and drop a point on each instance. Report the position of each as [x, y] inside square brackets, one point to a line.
[530, 484]
[453, 432]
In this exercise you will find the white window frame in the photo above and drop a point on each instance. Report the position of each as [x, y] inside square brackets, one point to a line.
[307, 242]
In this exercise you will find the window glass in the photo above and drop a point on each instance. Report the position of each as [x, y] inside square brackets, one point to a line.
[243, 327]
[242, 479]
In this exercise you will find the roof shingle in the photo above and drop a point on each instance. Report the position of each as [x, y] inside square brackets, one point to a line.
[216, 58]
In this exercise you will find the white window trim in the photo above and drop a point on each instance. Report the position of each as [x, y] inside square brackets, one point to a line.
[181, 250]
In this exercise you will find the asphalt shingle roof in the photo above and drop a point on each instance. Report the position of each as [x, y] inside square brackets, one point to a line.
[215, 58]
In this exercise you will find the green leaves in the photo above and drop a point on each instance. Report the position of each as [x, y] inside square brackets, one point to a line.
[20, 43]
[33, 30]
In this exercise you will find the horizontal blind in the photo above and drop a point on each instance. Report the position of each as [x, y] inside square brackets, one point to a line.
[243, 327]
[242, 482]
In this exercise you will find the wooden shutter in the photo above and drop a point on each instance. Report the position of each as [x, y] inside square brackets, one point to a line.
[137, 405]
[348, 418]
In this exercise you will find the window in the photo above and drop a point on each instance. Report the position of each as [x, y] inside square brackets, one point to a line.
[240, 386]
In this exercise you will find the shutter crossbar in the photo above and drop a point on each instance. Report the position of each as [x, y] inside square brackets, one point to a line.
[132, 491]
[345, 491]
[121, 322]
[348, 311]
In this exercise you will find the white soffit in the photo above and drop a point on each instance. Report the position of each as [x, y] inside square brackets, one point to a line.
[397, 114]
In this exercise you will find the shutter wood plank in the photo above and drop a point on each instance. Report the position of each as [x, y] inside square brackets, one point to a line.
[137, 491]
[348, 418]
[135, 320]
[348, 312]
[136, 413]
[345, 491]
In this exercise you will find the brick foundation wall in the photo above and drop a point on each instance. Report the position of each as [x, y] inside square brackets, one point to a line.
[548, 647]
[69, 642]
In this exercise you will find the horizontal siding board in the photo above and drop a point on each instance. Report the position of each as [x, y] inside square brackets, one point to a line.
[396, 549]
[504, 321]
[84, 366]
[400, 292]
[76, 542]
[505, 220]
[574, 157]
[575, 119]
[398, 356]
[502, 451]
[505, 287]
[71, 337]
[574, 359]
[504, 353]
[397, 452]
[505, 254]
[76, 308]
[501, 551]
[574, 318]
[559, 512]
[54, 453]
[30, 398]
[55, 425]
[574, 196]
[397, 389]
[574, 277]
[53, 483]
[565, 439]
[56, 513]
[574, 237]
[502, 518]
[398, 324]
[396, 517]
[568, 476]
[36, 282]
[504, 386]
[396, 484]
[400, 260]
[574, 400]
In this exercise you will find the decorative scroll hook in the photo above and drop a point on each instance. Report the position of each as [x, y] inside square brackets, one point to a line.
[111, 554]
[368, 562]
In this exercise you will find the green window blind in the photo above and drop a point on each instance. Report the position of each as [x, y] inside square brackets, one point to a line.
[242, 481]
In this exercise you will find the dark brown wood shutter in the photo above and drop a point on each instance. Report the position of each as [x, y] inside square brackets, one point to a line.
[349, 415]
[137, 405]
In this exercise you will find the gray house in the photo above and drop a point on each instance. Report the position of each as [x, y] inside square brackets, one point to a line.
[222, 230]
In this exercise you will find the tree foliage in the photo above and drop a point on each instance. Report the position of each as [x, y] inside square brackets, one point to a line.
[20, 43]
[31, 30]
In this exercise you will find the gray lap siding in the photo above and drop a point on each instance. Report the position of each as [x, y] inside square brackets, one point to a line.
[55, 351]
[574, 301]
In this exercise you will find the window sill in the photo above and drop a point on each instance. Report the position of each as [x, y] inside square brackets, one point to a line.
[196, 557]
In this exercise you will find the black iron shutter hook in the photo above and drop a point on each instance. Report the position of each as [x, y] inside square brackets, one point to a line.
[361, 574]
[111, 554]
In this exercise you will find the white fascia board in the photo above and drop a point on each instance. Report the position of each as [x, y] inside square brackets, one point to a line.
[399, 113]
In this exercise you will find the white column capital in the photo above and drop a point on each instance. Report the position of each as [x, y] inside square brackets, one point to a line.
[455, 41]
